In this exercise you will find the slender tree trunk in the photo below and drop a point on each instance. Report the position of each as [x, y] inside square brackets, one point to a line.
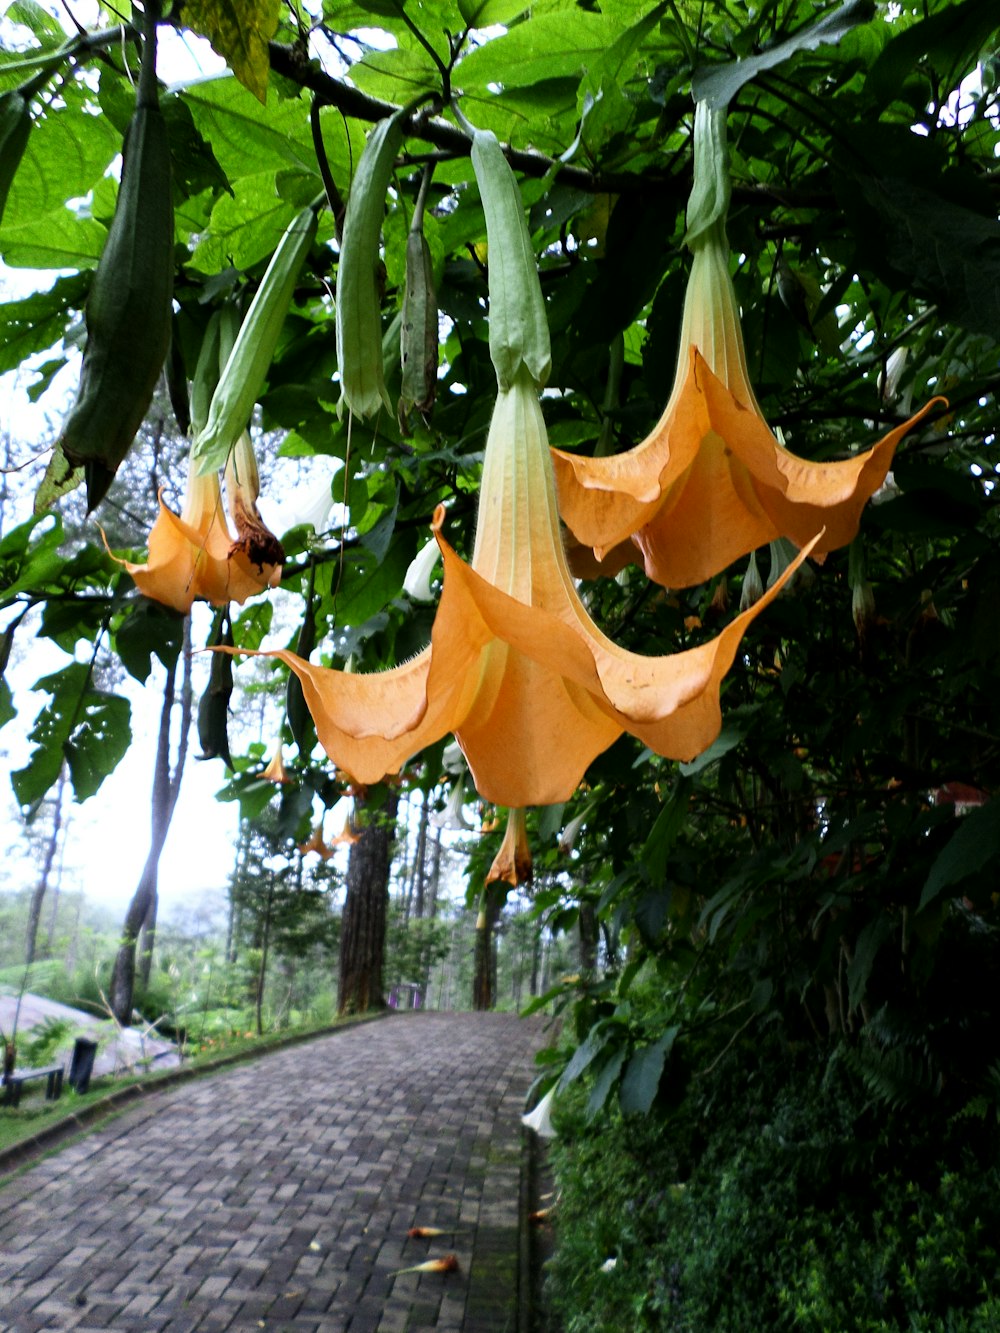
[265, 940]
[484, 970]
[147, 940]
[362, 931]
[430, 906]
[38, 895]
[536, 960]
[166, 788]
[588, 937]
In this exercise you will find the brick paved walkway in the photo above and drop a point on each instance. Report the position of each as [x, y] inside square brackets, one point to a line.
[278, 1195]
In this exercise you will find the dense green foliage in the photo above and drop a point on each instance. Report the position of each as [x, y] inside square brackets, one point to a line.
[814, 1208]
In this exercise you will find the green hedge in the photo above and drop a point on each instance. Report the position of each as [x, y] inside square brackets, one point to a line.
[776, 1197]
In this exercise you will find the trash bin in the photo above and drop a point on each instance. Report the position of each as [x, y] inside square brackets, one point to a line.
[82, 1065]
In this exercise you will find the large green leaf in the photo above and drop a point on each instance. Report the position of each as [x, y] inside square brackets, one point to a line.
[949, 40]
[35, 323]
[246, 226]
[719, 84]
[240, 31]
[246, 138]
[82, 725]
[68, 152]
[969, 850]
[641, 1079]
[951, 253]
[549, 47]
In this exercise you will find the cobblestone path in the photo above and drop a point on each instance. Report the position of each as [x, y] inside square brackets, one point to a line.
[278, 1195]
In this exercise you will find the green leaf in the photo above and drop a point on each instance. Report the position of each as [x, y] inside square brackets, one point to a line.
[36, 322]
[246, 226]
[728, 739]
[148, 629]
[664, 832]
[950, 252]
[591, 1046]
[68, 153]
[641, 1079]
[60, 239]
[949, 40]
[240, 31]
[7, 710]
[83, 725]
[29, 562]
[604, 1081]
[378, 537]
[549, 47]
[871, 939]
[248, 140]
[967, 852]
[484, 13]
[718, 84]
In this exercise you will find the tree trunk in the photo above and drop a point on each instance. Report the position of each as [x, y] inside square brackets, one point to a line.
[166, 788]
[484, 971]
[362, 930]
[147, 940]
[38, 895]
[262, 973]
[588, 938]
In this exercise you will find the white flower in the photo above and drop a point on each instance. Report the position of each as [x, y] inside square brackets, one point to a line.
[417, 583]
[452, 816]
[540, 1119]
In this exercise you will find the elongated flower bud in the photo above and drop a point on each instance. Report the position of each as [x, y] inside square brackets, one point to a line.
[359, 324]
[243, 376]
[519, 330]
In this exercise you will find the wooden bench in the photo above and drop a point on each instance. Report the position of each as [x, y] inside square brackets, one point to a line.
[13, 1083]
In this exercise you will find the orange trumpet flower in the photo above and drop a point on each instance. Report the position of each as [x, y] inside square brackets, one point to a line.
[516, 668]
[711, 483]
[513, 861]
[193, 555]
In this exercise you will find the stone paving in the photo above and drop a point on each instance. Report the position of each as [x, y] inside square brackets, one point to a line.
[278, 1195]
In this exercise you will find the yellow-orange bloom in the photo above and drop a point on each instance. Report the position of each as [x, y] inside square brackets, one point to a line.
[516, 668]
[193, 555]
[513, 861]
[276, 770]
[711, 483]
[316, 844]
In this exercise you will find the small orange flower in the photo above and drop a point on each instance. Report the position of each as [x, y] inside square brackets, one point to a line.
[275, 770]
[513, 861]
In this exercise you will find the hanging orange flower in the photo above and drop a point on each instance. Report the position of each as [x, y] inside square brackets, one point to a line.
[316, 844]
[193, 555]
[516, 668]
[513, 861]
[711, 483]
[275, 771]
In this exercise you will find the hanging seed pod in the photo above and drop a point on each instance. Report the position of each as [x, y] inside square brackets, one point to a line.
[418, 334]
[129, 307]
[519, 330]
[247, 365]
[299, 718]
[213, 706]
[177, 385]
[359, 324]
